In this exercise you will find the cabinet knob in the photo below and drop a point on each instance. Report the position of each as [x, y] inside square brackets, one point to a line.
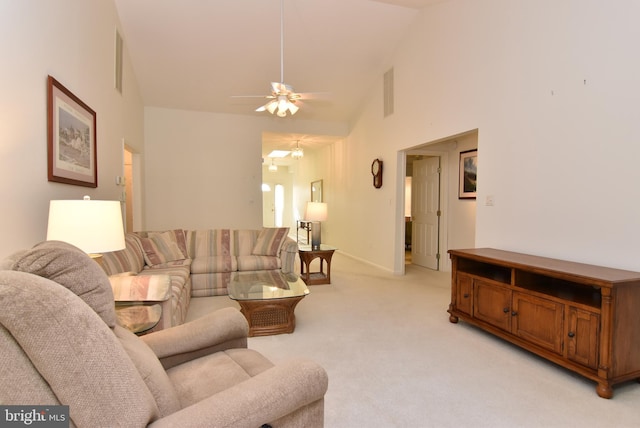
[514, 313]
[505, 310]
[571, 334]
[466, 295]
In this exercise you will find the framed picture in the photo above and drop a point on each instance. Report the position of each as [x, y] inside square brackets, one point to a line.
[71, 138]
[468, 174]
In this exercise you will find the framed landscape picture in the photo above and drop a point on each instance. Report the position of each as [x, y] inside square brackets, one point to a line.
[468, 174]
[71, 138]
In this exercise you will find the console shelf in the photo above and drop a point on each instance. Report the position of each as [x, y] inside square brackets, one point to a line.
[583, 317]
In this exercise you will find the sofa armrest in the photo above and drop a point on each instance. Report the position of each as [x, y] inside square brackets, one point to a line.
[288, 253]
[140, 288]
[265, 398]
[223, 329]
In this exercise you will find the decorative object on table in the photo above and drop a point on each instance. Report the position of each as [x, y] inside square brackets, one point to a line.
[316, 191]
[468, 174]
[71, 138]
[316, 212]
[376, 171]
[93, 226]
[306, 226]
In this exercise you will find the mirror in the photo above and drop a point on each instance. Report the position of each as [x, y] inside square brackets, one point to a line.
[316, 191]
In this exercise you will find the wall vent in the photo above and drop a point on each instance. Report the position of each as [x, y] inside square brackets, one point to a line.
[118, 63]
[388, 92]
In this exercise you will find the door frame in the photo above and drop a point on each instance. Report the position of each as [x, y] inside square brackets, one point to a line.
[443, 244]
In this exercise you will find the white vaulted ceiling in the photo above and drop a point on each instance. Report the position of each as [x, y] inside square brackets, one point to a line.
[197, 54]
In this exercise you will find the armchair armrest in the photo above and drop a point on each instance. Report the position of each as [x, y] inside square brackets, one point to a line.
[141, 288]
[223, 329]
[265, 398]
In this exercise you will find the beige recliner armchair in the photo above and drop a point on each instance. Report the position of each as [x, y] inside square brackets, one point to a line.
[59, 344]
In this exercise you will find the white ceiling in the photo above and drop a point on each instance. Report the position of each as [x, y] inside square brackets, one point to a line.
[197, 54]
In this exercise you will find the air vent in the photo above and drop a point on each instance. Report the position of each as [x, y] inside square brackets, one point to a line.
[388, 92]
[118, 63]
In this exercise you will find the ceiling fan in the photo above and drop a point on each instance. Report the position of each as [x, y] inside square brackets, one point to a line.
[283, 99]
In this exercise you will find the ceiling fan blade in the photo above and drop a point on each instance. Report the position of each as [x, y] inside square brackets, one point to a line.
[312, 95]
[252, 96]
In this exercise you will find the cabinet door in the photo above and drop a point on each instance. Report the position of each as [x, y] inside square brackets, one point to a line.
[582, 337]
[464, 288]
[538, 321]
[492, 304]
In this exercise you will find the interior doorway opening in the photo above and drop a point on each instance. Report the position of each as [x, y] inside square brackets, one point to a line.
[455, 227]
[131, 185]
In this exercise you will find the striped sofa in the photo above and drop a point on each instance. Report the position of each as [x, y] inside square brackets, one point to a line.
[196, 262]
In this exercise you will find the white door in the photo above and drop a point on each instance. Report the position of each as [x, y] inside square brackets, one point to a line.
[268, 205]
[425, 212]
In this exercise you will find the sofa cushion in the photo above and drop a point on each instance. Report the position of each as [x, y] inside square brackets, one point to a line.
[212, 242]
[131, 259]
[140, 288]
[270, 241]
[160, 248]
[248, 263]
[74, 269]
[214, 264]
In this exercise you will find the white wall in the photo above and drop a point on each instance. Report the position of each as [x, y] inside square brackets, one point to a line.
[204, 170]
[72, 40]
[552, 87]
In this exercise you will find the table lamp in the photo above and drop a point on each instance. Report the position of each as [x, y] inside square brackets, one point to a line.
[315, 213]
[93, 226]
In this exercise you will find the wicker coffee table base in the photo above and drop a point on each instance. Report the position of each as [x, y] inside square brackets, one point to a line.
[267, 317]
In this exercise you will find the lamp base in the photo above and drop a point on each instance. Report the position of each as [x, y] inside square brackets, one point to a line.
[315, 235]
[97, 258]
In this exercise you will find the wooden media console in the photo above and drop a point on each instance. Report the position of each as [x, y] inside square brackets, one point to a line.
[585, 318]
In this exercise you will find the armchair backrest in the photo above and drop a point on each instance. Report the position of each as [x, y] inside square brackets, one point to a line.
[66, 354]
[71, 351]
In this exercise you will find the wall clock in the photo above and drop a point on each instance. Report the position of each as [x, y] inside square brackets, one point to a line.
[376, 170]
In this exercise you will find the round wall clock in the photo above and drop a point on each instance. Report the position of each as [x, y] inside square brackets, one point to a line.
[376, 170]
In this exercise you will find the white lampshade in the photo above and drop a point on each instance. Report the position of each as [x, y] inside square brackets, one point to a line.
[316, 211]
[92, 226]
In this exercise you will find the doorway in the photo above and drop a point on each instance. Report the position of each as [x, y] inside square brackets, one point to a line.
[425, 212]
[131, 190]
[455, 217]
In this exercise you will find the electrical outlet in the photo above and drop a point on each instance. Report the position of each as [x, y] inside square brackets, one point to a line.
[489, 201]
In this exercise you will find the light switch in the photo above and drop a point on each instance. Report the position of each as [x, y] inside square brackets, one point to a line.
[489, 201]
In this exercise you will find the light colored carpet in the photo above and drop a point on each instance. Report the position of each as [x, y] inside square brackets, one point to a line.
[395, 360]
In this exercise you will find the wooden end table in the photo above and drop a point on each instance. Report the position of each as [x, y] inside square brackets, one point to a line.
[307, 255]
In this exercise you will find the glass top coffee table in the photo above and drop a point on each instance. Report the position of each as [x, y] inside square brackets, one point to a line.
[268, 299]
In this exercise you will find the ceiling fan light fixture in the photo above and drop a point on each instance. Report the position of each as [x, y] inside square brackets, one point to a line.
[273, 167]
[271, 107]
[293, 108]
